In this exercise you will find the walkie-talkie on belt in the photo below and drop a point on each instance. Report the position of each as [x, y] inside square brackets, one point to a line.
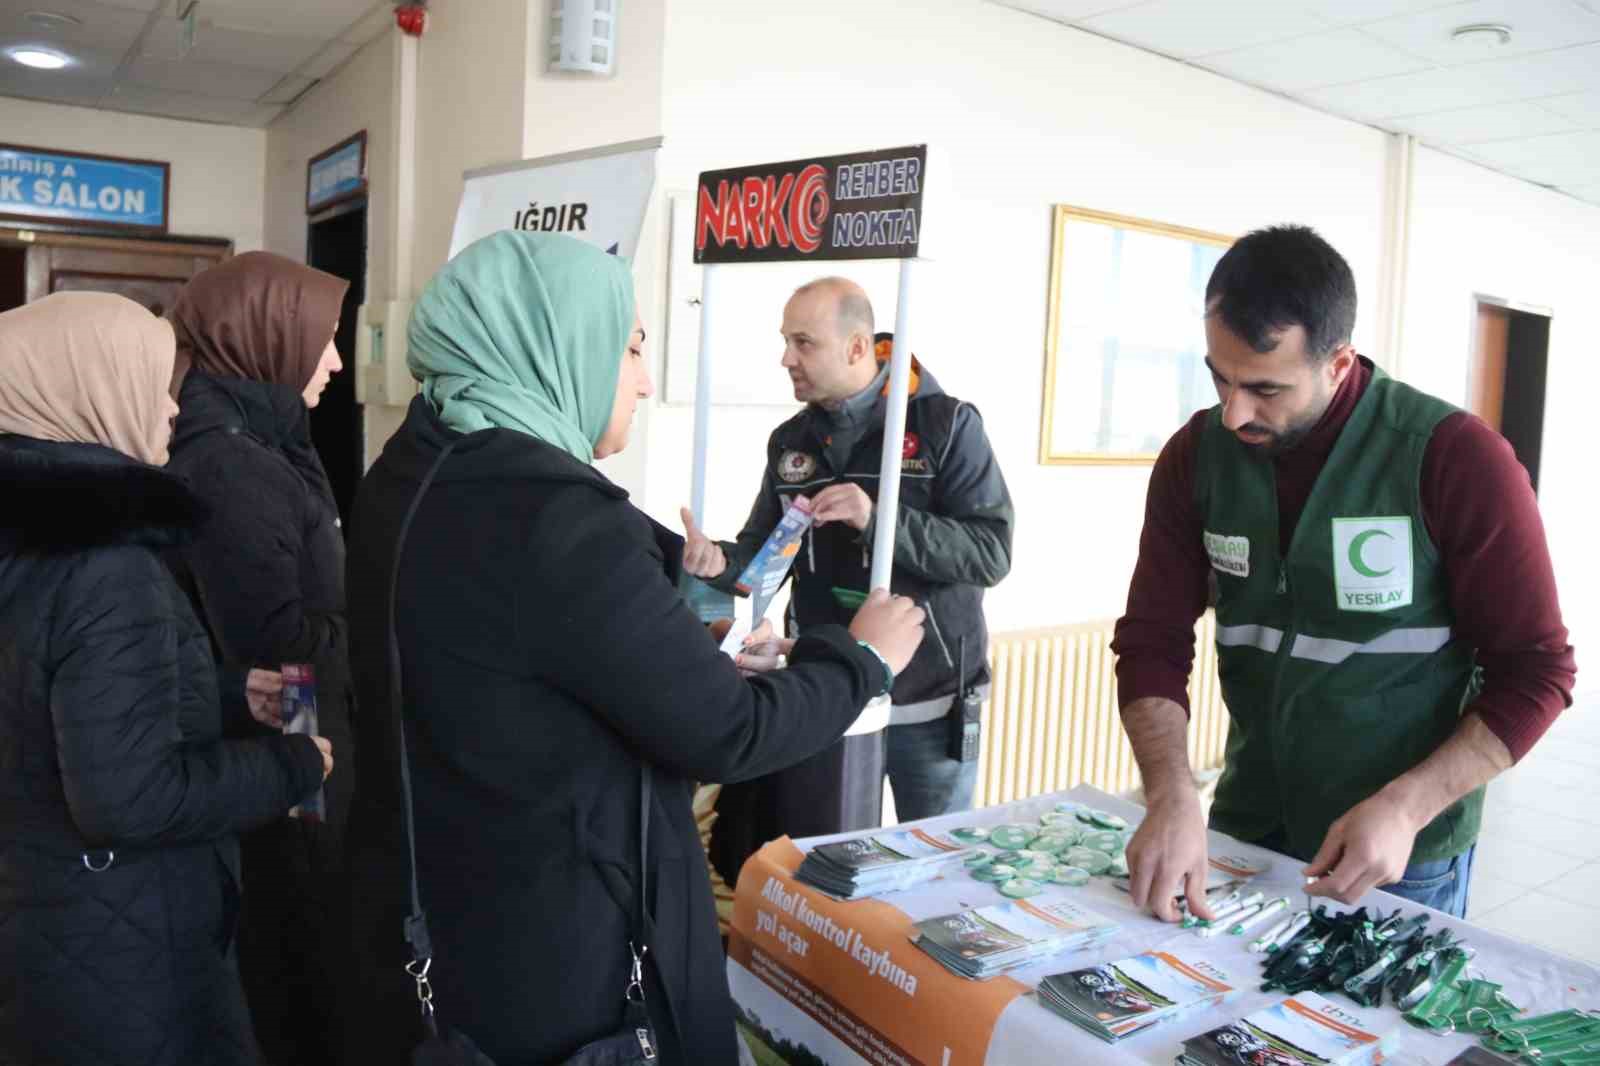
[965, 717]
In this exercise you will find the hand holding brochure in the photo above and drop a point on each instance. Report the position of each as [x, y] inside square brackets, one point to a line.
[1118, 999]
[300, 716]
[762, 579]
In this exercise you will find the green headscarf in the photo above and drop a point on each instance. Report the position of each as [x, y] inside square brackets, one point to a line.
[525, 331]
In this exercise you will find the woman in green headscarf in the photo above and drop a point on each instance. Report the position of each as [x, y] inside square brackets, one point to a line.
[546, 656]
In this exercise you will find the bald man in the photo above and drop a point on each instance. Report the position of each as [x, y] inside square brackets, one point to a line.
[953, 538]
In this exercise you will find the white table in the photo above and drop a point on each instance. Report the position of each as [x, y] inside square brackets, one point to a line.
[1027, 1033]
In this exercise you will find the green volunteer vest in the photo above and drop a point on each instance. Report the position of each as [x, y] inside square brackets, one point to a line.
[1337, 661]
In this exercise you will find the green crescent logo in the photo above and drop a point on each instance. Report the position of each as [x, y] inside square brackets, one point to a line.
[1360, 542]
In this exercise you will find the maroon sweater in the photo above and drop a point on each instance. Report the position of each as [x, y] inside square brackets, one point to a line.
[1479, 508]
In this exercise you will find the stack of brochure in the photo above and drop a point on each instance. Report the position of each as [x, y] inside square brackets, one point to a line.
[1118, 999]
[1305, 1030]
[1004, 936]
[887, 861]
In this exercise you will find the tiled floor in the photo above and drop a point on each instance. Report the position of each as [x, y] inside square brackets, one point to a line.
[1537, 873]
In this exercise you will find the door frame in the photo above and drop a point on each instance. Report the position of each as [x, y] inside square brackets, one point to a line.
[38, 269]
[1476, 300]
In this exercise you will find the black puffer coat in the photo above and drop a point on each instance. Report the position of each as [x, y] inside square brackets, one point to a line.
[266, 574]
[119, 804]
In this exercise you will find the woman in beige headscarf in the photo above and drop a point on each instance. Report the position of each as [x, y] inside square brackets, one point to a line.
[119, 802]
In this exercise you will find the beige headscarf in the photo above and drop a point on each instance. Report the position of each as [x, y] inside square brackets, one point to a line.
[88, 368]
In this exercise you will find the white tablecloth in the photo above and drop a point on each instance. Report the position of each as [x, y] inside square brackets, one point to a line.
[1027, 1033]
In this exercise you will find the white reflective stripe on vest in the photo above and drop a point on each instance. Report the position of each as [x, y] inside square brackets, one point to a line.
[1394, 642]
[1264, 637]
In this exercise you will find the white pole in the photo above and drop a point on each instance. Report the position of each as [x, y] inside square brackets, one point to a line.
[894, 433]
[702, 401]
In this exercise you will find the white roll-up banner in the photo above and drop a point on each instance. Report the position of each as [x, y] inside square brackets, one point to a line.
[598, 195]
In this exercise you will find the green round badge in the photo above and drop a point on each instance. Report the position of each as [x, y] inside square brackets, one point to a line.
[1096, 862]
[1107, 820]
[1119, 866]
[994, 872]
[1069, 875]
[1053, 843]
[1021, 888]
[970, 835]
[979, 858]
[1012, 836]
[1107, 841]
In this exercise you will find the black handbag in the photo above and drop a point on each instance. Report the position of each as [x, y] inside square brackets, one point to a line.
[634, 1042]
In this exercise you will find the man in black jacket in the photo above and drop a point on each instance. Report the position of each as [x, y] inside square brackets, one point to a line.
[952, 540]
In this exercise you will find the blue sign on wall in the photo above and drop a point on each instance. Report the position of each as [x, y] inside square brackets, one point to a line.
[337, 174]
[37, 185]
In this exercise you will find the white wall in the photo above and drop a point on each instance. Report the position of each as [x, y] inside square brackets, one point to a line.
[1025, 114]
[356, 98]
[471, 79]
[1475, 232]
[565, 112]
[218, 172]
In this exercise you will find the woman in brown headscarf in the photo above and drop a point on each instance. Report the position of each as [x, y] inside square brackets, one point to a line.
[266, 573]
[120, 803]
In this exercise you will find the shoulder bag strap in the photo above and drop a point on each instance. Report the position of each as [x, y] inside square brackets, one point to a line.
[416, 923]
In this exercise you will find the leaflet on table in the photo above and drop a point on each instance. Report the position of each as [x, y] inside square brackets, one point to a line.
[1304, 1030]
[1005, 936]
[890, 848]
[762, 579]
[1230, 875]
[885, 861]
[1117, 999]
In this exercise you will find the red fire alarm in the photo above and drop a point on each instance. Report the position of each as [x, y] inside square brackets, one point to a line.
[411, 18]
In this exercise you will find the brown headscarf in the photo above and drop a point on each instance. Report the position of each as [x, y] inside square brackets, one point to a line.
[88, 368]
[258, 316]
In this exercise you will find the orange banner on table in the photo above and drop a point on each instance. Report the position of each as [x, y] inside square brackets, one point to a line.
[852, 968]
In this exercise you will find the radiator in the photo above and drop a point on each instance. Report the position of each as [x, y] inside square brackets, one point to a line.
[1052, 720]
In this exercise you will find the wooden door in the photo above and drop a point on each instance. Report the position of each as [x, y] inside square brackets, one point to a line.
[149, 272]
[1487, 390]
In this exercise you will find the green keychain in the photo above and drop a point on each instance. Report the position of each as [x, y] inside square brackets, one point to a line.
[1529, 1036]
[1436, 1007]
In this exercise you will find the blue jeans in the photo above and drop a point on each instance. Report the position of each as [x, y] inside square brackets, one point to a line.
[926, 781]
[1441, 884]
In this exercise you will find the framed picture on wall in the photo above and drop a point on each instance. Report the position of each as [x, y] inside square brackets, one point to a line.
[1125, 342]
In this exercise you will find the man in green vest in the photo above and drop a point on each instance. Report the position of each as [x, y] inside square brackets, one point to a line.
[1388, 632]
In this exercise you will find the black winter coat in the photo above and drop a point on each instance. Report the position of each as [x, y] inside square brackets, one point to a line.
[266, 574]
[952, 539]
[118, 802]
[546, 653]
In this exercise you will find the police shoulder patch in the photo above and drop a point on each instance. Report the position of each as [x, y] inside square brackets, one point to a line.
[796, 466]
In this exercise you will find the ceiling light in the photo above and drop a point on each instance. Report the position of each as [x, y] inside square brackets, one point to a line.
[51, 20]
[39, 58]
[1481, 37]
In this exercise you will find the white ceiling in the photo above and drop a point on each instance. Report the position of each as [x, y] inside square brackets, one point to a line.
[250, 57]
[1529, 108]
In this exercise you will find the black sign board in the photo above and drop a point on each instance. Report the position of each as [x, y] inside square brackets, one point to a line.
[862, 206]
